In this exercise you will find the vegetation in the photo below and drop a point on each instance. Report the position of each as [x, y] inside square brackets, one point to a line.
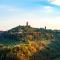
[27, 43]
[57, 58]
[22, 51]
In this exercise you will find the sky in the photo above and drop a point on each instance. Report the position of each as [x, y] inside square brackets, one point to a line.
[39, 13]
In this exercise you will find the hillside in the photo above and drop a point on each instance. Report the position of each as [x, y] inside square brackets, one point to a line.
[28, 43]
[23, 34]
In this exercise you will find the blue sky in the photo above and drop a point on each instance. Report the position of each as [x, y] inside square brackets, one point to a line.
[38, 13]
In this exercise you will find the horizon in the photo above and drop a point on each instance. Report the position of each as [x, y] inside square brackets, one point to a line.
[39, 13]
[32, 27]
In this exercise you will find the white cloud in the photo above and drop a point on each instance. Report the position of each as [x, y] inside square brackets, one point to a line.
[7, 8]
[56, 2]
[48, 9]
[44, 9]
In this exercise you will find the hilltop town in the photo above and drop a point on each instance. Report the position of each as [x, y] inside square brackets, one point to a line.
[29, 43]
[25, 33]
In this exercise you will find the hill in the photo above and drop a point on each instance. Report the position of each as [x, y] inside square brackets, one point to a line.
[29, 43]
[21, 34]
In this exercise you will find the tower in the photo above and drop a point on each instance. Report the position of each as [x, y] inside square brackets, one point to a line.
[27, 23]
[45, 27]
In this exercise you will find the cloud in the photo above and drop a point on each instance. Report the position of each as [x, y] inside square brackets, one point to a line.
[56, 2]
[48, 9]
[6, 8]
[44, 9]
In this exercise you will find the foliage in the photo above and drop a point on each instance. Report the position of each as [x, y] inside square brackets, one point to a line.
[30, 44]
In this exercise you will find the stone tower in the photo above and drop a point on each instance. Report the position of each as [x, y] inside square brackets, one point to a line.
[27, 23]
[45, 27]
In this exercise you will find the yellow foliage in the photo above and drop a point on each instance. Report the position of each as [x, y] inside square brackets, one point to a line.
[29, 49]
